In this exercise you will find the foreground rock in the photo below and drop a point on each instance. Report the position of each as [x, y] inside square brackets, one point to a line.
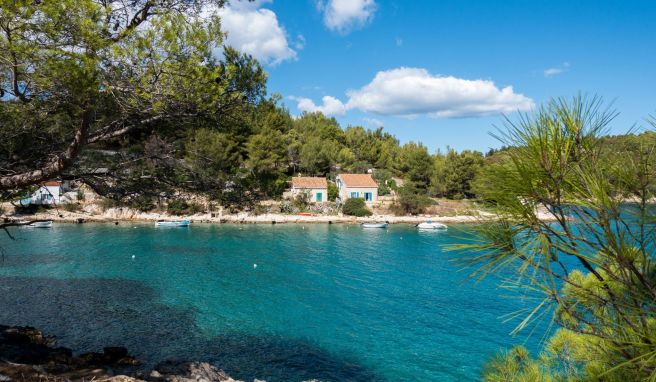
[26, 354]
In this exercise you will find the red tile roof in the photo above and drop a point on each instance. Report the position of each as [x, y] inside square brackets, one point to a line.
[52, 183]
[309, 182]
[358, 180]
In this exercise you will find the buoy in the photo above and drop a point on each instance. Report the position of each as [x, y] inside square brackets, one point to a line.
[134, 257]
[254, 266]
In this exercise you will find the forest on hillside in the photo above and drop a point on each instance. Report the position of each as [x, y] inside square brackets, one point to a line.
[141, 112]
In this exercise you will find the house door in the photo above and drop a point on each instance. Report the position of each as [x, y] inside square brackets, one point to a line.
[319, 197]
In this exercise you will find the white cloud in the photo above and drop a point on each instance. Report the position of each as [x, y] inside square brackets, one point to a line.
[556, 70]
[414, 91]
[343, 16]
[256, 31]
[411, 92]
[331, 106]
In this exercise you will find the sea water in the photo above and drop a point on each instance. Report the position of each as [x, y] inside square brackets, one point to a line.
[275, 302]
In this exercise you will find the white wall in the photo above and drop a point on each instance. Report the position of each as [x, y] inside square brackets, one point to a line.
[313, 193]
[47, 195]
[345, 193]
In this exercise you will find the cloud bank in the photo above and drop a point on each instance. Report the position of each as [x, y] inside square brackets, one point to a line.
[256, 31]
[412, 92]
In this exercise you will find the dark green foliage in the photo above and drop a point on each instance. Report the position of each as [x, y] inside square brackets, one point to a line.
[411, 200]
[333, 191]
[181, 207]
[454, 173]
[356, 207]
[416, 164]
[385, 182]
[142, 203]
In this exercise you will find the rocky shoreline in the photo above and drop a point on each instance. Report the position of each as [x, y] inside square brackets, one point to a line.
[115, 215]
[26, 354]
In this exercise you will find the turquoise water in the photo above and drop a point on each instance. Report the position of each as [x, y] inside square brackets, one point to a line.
[332, 302]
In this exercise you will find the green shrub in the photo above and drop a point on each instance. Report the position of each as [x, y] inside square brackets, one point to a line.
[302, 201]
[411, 201]
[355, 207]
[195, 208]
[142, 203]
[31, 209]
[177, 207]
[333, 192]
[181, 207]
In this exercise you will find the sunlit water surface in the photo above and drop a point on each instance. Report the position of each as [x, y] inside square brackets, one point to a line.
[331, 302]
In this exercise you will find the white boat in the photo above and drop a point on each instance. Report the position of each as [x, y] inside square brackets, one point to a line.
[374, 225]
[430, 225]
[172, 223]
[42, 224]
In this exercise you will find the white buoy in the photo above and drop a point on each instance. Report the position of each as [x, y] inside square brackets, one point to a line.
[254, 266]
[134, 257]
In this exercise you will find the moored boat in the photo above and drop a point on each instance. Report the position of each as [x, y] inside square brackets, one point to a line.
[374, 225]
[41, 224]
[172, 223]
[430, 225]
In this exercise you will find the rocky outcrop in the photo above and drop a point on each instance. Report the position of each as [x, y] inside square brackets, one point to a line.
[26, 354]
[171, 371]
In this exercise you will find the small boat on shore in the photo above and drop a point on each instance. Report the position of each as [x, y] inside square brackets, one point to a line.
[172, 223]
[430, 225]
[374, 225]
[41, 224]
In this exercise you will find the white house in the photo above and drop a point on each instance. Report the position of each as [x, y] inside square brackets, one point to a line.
[50, 192]
[357, 186]
[315, 188]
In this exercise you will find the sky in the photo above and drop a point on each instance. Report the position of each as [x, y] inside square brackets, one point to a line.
[446, 72]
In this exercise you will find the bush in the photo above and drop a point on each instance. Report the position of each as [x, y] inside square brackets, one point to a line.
[411, 201]
[142, 203]
[333, 192]
[181, 207]
[302, 201]
[31, 209]
[355, 207]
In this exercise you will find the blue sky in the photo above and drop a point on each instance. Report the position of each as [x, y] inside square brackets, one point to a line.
[441, 72]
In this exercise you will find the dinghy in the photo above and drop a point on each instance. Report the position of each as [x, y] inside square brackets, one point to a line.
[172, 223]
[43, 224]
[374, 225]
[430, 225]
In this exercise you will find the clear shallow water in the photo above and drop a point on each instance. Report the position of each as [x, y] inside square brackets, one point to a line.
[331, 302]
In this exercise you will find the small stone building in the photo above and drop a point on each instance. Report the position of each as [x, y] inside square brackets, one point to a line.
[357, 186]
[316, 188]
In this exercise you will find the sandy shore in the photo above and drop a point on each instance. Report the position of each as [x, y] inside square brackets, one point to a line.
[128, 215]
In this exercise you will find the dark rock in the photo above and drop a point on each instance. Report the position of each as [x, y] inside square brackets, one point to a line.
[115, 352]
